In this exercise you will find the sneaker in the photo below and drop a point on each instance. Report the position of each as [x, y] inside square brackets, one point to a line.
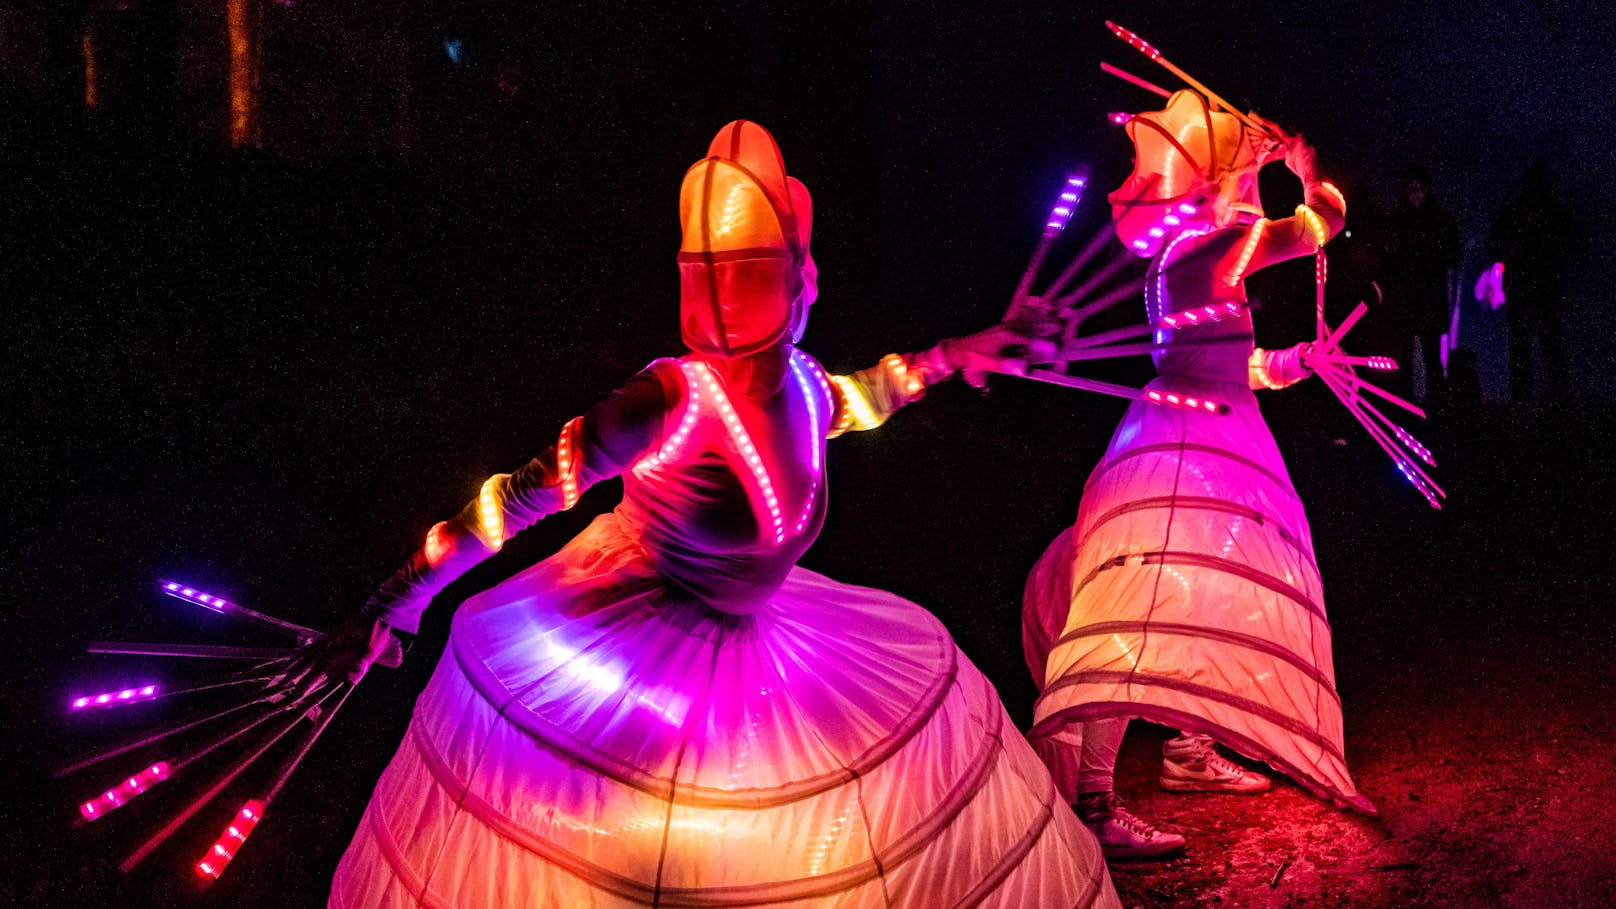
[1191, 763]
[1121, 835]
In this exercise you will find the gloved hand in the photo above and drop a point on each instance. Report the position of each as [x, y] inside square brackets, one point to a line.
[1291, 365]
[1297, 153]
[345, 654]
[1005, 348]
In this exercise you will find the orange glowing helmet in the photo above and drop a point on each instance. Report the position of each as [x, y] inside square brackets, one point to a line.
[1185, 156]
[746, 278]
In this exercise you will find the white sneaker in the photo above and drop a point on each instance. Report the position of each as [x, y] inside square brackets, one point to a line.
[1121, 834]
[1191, 763]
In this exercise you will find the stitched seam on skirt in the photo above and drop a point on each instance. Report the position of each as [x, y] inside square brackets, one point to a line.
[1245, 705]
[552, 737]
[395, 857]
[699, 707]
[460, 801]
[953, 802]
[1191, 446]
[1189, 722]
[1227, 566]
[1010, 860]
[1205, 503]
[869, 839]
[1250, 642]
[1167, 538]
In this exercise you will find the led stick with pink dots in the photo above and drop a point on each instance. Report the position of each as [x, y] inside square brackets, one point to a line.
[306, 707]
[117, 796]
[146, 693]
[230, 840]
[1150, 396]
[301, 633]
[144, 739]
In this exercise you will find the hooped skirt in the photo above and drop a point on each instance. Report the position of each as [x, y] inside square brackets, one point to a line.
[1187, 594]
[593, 739]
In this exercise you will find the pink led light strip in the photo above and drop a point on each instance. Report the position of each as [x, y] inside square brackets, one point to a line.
[675, 442]
[230, 841]
[116, 698]
[1201, 314]
[743, 442]
[122, 793]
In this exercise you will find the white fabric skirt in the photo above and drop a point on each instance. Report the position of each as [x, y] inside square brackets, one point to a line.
[594, 739]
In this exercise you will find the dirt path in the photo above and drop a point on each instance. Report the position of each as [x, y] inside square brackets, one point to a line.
[1491, 794]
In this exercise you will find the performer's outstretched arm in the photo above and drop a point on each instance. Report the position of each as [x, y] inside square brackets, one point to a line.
[865, 399]
[596, 446]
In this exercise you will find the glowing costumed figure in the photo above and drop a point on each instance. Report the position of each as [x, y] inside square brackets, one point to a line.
[669, 712]
[1187, 592]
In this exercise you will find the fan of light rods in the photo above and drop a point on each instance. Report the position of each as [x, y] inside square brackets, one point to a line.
[1339, 371]
[273, 709]
[1095, 280]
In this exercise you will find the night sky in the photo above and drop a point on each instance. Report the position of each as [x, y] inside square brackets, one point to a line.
[269, 372]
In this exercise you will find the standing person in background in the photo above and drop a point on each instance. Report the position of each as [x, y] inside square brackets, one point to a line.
[1422, 251]
[1534, 236]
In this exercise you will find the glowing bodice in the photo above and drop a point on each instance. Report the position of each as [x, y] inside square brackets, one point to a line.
[1200, 269]
[736, 491]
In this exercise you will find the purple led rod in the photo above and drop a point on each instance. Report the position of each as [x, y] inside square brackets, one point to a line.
[220, 605]
[1065, 204]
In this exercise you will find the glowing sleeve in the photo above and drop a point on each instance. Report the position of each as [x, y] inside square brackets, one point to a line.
[865, 399]
[1319, 218]
[590, 448]
[1276, 369]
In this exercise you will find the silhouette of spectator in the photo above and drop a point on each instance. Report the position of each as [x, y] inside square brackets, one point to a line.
[1421, 250]
[1534, 236]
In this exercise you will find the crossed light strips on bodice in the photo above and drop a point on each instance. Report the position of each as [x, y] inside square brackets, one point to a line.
[704, 394]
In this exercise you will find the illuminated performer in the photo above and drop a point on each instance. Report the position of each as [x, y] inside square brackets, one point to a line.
[1187, 591]
[669, 712]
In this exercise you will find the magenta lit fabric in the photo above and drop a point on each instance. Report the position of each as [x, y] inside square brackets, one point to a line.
[668, 712]
[1187, 592]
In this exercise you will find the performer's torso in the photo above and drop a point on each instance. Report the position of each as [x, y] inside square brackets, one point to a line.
[1190, 274]
[738, 494]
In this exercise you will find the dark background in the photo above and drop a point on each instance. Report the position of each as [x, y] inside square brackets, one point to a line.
[266, 372]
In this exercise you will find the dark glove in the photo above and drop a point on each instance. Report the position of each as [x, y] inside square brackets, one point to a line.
[1005, 348]
[346, 654]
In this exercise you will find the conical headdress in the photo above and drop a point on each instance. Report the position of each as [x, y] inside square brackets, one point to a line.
[1185, 152]
[744, 270]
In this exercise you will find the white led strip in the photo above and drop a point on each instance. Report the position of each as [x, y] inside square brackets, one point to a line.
[816, 435]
